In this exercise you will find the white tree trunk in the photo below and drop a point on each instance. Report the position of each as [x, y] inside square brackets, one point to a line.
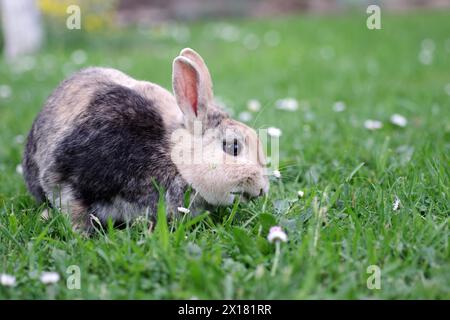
[22, 27]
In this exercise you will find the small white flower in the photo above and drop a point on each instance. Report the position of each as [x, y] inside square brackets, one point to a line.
[447, 88]
[49, 277]
[7, 280]
[396, 204]
[78, 56]
[228, 33]
[277, 234]
[287, 104]
[245, 116]
[277, 174]
[19, 169]
[253, 105]
[338, 106]
[399, 120]
[183, 210]
[373, 124]
[5, 91]
[274, 132]
[300, 194]
[139, 220]
[19, 139]
[426, 56]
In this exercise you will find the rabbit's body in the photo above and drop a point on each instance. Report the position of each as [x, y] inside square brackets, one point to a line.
[101, 143]
[101, 154]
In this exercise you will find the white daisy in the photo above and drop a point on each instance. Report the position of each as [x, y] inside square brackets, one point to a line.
[19, 139]
[447, 88]
[49, 277]
[338, 106]
[19, 169]
[228, 33]
[277, 234]
[287, 104]
[5, 91]
[245, 116]
[183, 210]
[396, 204]
[426, 56]
[253, 105]
[399, 120]
[7, 280]
[277, 174]
[78, 56]
[274, 132]
[373, 124]
[300, 194]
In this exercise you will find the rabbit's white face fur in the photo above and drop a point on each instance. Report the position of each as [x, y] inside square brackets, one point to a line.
[199, 148]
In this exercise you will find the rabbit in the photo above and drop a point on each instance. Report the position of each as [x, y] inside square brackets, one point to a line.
[105, 144]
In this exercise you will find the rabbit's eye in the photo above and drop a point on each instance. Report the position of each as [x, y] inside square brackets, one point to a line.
[232, 147]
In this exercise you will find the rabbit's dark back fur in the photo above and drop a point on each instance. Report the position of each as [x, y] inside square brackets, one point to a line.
[109, 156]
[116, 148]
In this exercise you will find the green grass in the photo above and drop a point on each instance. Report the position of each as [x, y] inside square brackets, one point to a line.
[350, 175]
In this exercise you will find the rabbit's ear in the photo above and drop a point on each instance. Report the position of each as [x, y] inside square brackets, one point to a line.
[202, 68]
[189, 90]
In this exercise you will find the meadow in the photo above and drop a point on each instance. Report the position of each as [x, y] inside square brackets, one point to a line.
[371, 197]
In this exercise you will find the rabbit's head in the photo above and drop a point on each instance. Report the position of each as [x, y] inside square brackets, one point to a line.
[220, 157]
